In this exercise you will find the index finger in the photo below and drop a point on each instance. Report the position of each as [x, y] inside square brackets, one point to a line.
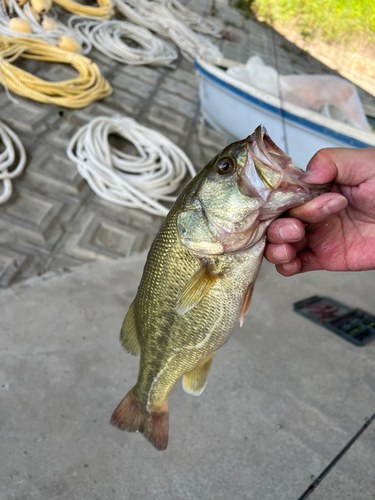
[319, 209]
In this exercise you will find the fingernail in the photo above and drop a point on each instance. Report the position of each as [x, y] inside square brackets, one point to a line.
[335, 205]
[291, 267]
[280, 254]
[290, 232]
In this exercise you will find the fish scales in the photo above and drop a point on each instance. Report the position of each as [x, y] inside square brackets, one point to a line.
[200, 272]
[184, 350]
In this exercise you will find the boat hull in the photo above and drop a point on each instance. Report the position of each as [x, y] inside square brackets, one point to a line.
[236, 109]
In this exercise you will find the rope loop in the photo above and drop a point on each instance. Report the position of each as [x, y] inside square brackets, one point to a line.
[107, 37]
[131, 180]
[12, 160]
[157, 17]
[78, 92]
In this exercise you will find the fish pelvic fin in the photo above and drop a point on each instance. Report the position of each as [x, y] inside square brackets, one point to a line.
[195, 380]
[132, 416]
[195, 289]
[128, 336]
[246, 302]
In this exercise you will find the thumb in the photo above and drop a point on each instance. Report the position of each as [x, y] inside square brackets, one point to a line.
[344, 166]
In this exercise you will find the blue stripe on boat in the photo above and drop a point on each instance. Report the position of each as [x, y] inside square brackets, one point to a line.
[290, 116]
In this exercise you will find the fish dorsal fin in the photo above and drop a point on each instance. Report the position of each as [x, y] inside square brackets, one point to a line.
[128, 336]
[195, 381]
[195, 289]
[246, 302]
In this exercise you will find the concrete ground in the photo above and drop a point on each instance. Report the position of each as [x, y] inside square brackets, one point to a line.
[283, 397]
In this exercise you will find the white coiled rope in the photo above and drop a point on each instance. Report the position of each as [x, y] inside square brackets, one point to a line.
[107, 37]
[156, 17]
[192, 19]
[135, 181]
[37, 31]
[12, 160]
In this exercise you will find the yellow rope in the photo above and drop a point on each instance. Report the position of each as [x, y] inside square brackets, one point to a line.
[105, 9]
[74, 93]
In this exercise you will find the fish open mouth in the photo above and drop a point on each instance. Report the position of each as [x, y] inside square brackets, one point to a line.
[267, 168]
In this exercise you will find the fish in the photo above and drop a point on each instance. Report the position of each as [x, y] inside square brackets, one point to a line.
[200, 272]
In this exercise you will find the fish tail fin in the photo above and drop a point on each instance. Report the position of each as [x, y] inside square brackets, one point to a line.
[132, 416]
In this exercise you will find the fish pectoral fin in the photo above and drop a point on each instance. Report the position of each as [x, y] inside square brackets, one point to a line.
[246, 302]
[195, 289]
[195, 381]
[128, 336]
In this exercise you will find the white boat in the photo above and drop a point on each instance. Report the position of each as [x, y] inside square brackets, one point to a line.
[236, 108]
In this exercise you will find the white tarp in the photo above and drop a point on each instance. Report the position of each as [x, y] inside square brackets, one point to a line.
[330, 95]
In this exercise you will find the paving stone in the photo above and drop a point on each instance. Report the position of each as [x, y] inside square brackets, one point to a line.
[177, 103]
[50, 170]
[210, 137]
[186, 77]
[10, 265]
[167, 118]
[105, 63]
[185, 65]
[124, 102]
[94, 110]
[4, 99]
[232, 51]
[64, 263]
[36, 218]
[171, 85]
[123, 215]
[130, 84]
[26, 116]
[150, 75]
[194, 151]
[31, 260]
[62, 134]
[168, 132]
[209, 153]
[100, 237]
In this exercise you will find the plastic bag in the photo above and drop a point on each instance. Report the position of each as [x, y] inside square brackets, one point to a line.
[330, 95]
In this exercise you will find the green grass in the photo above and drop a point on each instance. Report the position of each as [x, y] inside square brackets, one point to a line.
[342, 20]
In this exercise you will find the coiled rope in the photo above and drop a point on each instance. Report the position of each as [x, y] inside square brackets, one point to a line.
[105, 9]
[196, 22]
[12, 160]
[126, 179]
[49, 36]
[78, 92]
[107, 37]
[156, 17]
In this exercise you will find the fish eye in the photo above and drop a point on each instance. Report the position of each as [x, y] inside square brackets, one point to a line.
[225, 166]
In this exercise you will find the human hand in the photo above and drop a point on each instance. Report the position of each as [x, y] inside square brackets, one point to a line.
[336, 231]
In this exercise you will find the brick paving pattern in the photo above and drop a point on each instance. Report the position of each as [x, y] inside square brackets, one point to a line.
[54, 220]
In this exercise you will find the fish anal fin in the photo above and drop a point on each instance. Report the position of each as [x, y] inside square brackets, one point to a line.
[195, 289]
[246, 302]
[131, 416]
[195, 380]
[128, 336]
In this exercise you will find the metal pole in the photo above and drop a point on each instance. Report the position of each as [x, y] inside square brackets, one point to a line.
[318, 480]
[282, 112]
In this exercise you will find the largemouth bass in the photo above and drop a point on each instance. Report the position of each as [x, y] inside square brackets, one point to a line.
[200, 274]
